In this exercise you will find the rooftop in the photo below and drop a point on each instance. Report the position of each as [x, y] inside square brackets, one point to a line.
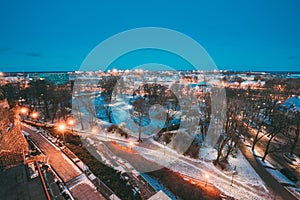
[292, 103]
[160, 196]
[14, 184]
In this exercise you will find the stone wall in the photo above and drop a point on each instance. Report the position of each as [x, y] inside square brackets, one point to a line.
[12, 141]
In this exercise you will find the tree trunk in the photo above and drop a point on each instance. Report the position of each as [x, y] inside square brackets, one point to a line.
[267, 148]
[46, 109]
[256, 138]
[220, 149]
[296, 139]
[228, 152]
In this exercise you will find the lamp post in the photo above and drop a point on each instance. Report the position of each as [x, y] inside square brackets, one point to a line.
[206, 178]
[71, 122]
[105, 133]
[94, 129]
[23, 112]
[131, 144]
[34, 115]
[62, 127]
[233, 173]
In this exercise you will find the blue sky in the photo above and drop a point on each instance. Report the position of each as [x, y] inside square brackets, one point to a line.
[238, 35]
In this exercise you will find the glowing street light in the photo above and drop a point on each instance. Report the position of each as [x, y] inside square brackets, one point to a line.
[94, 130]
[71, 122]
[24, 110]
[34, 115]
[62, 128]
[206, 178]
[131, 144]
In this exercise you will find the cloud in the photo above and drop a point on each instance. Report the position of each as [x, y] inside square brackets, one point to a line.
[33, 54]
[4, 50]
[292, 57]
[29, 54]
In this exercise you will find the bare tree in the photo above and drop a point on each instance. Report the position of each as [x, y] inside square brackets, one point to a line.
[140, 112]
[278, 123]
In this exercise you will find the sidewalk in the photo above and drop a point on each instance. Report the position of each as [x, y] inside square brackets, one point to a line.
[272, 183]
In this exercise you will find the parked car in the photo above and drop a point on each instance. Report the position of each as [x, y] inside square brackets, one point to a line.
[290, 159]
[290, 175]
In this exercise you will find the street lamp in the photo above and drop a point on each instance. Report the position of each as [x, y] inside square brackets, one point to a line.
[23, 110]
[34, 115]
[62, 127]
[233, 173]
[206, 178]
[105, 130]
[94, 130]
[131, 144]
[71, 122]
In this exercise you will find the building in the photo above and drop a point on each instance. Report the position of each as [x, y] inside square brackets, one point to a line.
[160, 196]
[16, 184]
[292, 104]
[57, 78]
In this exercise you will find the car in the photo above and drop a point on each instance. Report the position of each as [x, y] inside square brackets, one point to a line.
[290, 175]
[290, 159]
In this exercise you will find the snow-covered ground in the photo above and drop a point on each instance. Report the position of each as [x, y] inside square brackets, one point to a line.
[247, 184]
[291, 186]
[244, 172]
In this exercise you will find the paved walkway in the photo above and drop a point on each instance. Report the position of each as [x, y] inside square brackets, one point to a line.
[80, 187]
[277, 188]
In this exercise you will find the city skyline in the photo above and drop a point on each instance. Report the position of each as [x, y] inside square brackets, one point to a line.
[242, 36]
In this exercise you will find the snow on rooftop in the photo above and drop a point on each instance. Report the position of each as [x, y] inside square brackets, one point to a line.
[114, 197]
[92, 177]
[157, 186]
[160, 196]
[292, 103]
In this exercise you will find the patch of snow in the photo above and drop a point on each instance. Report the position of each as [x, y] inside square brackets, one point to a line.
[280, 177]
[157, 186]
[243, 189]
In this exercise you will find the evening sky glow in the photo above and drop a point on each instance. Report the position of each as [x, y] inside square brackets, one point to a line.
[238, 35]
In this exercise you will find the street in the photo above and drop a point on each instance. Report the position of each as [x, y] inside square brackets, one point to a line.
[276, 158]
[281, 192]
